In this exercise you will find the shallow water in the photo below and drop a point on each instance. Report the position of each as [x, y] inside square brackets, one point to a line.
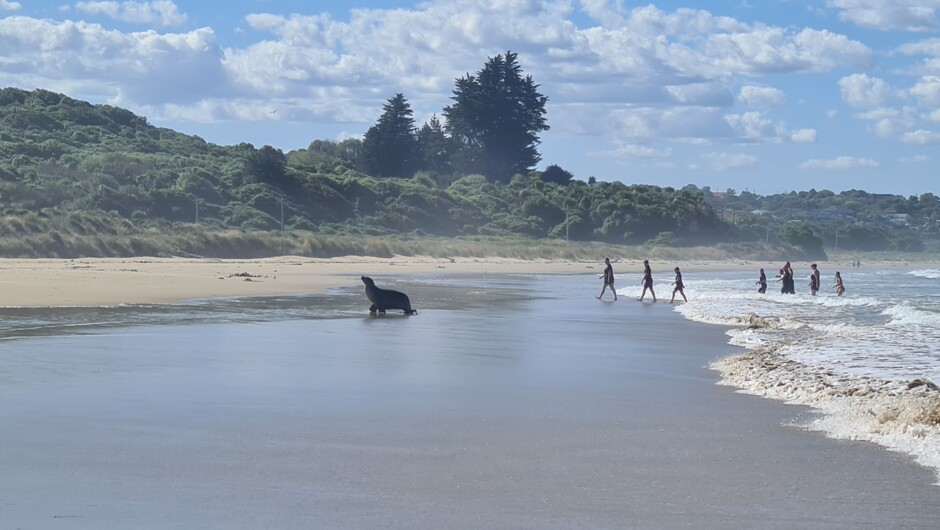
[506, 402]
[852, 357]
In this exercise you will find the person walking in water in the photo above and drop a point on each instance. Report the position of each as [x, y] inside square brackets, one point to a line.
[762, 281]
[839, 287]
[679, 287]
[784, 279]
[814, 279]
[789, 283]
[608, 280]
[647, 280]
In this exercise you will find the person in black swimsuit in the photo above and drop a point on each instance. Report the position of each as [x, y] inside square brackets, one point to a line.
[647, 280]
[762, 281]
[814, 279]
[608, 278]
[789, 283]
[679, 287]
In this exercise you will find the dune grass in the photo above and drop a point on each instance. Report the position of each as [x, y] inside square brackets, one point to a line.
[196, 241]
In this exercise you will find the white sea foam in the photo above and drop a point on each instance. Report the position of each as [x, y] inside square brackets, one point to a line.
[851, 358]
[855, 408]
[909, 314]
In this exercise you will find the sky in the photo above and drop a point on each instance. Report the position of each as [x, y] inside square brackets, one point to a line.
[767, 96]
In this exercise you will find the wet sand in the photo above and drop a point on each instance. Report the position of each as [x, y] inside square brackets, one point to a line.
[91, 282]
[556, 411]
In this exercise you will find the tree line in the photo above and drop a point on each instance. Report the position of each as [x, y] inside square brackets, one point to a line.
[69, 168]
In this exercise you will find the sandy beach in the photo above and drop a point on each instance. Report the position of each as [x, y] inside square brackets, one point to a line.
[514, 400]
[110, 281]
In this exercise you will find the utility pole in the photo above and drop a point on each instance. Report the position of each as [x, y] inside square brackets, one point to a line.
[282, 214]
[197, 213]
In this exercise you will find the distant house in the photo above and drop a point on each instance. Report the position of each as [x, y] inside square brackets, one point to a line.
[833, 213]
[760, 212]
[896, 219]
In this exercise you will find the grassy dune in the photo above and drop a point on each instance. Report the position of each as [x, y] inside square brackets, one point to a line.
[195, 241]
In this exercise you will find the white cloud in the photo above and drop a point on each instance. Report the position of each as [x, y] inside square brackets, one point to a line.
[929, 47]
[921, 137]
[755, 126]
[803, 136]
[129, 69]
[907, 15]
[638, 74]
[728, 161]
[642, 56]
[916, 159]
[704, 94]
[888, 122]
[927, 91]
[638, 151]
[862, 91]
[160, 12]
[759, 96]
[840, 163]
[6, 5]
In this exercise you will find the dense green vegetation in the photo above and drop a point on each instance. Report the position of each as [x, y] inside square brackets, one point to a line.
[78, 179]
[82, 179]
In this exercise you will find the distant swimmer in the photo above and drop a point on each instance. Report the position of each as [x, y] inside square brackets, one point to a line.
[839, 287]
[608, 278]
[647, 280]
[762, 281]
[814, 280]
[679, 287]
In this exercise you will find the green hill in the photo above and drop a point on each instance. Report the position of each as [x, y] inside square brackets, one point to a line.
[78, 179]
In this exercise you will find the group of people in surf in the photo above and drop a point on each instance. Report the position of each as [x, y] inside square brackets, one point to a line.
[785, 277]
[647, 282]
[787, 284]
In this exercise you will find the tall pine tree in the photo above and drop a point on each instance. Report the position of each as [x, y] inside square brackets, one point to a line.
[436, 147]
[390, 147]
[496, 118]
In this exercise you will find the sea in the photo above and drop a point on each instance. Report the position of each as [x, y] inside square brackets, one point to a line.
[867, 362]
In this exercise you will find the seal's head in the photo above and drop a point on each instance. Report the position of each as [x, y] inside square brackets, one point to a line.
[368, 281]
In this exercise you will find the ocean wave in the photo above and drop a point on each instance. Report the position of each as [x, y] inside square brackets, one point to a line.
[933, 274]
[897, 415]
[845, 301]
[909, 313]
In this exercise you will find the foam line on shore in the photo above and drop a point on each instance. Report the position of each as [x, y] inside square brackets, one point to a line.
[900, 417]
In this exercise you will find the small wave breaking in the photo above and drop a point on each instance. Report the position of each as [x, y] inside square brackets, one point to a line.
[900, 416]
[911, 314]
[932, 274]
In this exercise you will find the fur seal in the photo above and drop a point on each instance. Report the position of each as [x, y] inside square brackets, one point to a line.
[383, 299]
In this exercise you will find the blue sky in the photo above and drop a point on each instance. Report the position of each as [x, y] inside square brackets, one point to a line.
[769, 96]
